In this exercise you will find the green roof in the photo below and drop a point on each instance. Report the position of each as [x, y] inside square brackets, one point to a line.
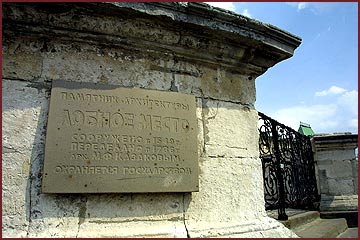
[306, 130]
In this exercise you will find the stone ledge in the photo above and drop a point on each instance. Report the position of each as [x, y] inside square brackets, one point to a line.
[192, 31]
[143, 229]
[324, 142]
[339, 203]
[219, 19]
[350, 216]
[300, 219]
[264, 227]
[322, 228]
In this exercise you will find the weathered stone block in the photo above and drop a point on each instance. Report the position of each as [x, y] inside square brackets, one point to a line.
[138, 212]
[21, 59]
[10, 232]
[134, 207]
[24, 122]
[54, 215]
[356, 185]
[147, 229]
[231, 177]
[22, 106]
[339, 203]
[323, 181]
[257, 228]
[200, 125]
[230, 130]
[15, 181]
[340, 169]
[341, 187]
[355, 165]
[334, 155]
[103, 65]
[337, 164]
[214, 83]
[245, 213]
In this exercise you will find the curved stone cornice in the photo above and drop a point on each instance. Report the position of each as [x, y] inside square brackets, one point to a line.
[193, 31]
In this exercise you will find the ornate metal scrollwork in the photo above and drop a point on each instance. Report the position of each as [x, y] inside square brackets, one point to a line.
[288, 167]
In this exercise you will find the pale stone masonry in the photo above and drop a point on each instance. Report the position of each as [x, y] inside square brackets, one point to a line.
[337, 171]
[190, 48]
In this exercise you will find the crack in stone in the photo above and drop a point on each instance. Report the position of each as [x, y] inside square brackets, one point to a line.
[41, 68]
[29, 209]
[82, 214]
[10, 150]
[246, 106]
[40, 86]
[220, 145]
[31, 84]
[223, 156]
[31, 181]
[203, 122]
[173, 87]
[186, 229]
[174, 71]
[16, 79]
[242, 148]
[174, 219]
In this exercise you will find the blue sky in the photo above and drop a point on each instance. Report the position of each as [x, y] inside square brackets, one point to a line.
[319, 84]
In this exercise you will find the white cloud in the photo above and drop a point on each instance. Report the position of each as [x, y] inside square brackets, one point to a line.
[318, 116]
[315, 7]
[333, 90]
[349, 100]
[353, 123]
[225, 5]
[246, 13]
[298, 5]
[339, 115]
[302, 5]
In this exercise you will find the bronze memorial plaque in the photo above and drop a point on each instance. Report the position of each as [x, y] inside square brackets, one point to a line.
[103, 138]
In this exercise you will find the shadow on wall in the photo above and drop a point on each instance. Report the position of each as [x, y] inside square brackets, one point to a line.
[24, 110]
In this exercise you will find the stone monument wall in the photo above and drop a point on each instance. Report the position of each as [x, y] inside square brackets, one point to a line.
[337, 171]
[187, 48]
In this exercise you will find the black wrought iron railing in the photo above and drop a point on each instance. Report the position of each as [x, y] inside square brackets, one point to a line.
[288, 167]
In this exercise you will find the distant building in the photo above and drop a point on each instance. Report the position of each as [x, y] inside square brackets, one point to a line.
[305, 129]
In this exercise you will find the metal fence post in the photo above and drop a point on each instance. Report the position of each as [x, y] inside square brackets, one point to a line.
[279, 174]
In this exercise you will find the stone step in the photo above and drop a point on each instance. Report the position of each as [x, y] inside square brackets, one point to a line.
[350, 216]
[300, 219]
[321, 228]
[350, 233]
